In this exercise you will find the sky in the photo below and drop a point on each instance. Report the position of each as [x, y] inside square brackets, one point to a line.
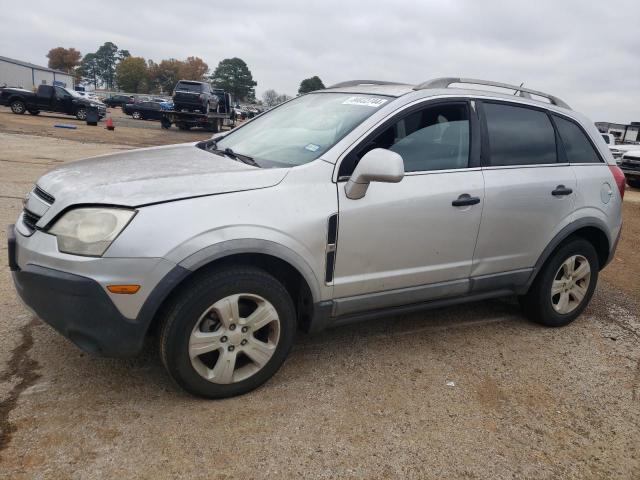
[586, 52]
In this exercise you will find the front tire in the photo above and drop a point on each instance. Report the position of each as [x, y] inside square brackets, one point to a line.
[81, 113]
[136, 115]
[227, 332]
[18, 107]
[564, 286]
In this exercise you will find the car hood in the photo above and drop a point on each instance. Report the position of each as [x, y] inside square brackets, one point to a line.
[152, 175]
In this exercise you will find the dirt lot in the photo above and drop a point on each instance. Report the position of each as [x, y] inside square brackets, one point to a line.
[469, 392]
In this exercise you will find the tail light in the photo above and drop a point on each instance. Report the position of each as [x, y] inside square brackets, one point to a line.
[618, 176]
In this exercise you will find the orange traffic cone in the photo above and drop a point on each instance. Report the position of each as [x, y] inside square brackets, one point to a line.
[110, 124]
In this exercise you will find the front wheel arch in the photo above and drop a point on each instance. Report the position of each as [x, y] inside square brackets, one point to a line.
[292, 279]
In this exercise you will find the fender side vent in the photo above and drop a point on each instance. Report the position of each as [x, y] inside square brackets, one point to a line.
[331, 259]
[332, 239]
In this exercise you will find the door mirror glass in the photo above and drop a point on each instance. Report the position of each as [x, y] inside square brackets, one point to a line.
[377, 165]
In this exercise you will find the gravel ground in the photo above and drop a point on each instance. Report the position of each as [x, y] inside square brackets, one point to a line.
[473, 391]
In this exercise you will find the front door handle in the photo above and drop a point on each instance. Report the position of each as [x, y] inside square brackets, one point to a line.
[561, 190]
[464, 200]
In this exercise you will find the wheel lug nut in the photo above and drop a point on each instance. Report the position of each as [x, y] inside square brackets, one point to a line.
[245, 329]
[231, 348]
[232, 326]
[223, 339]
[243, 342]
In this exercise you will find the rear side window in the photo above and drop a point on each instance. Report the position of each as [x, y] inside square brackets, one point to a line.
[519, 136]
[577, 146]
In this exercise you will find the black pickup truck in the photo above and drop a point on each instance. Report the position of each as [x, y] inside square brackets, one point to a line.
[49, 98]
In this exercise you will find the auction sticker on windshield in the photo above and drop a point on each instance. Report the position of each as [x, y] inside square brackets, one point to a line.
[374, 102]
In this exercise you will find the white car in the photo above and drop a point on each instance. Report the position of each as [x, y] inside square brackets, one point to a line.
[617, 150]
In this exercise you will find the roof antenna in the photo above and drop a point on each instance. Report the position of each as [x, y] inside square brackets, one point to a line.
[516, 92]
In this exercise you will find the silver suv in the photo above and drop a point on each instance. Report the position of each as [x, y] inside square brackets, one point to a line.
[365, 199]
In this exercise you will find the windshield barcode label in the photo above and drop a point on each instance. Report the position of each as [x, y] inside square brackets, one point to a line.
[365, 101]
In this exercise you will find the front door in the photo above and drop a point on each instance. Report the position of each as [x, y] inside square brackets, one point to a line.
[413, 241]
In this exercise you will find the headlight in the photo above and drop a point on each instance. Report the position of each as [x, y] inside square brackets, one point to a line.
[90, 231]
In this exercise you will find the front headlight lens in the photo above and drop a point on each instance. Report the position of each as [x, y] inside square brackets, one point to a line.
[90, 231]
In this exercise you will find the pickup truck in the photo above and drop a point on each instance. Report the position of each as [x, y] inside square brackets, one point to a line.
[49, 98]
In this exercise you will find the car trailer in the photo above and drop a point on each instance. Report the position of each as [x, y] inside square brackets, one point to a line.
[212, 121]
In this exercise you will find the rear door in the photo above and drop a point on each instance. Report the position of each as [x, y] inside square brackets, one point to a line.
[408, 242]
[529, 188]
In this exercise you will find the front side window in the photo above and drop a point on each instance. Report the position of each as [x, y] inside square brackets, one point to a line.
[519, 136]
[61, 93]
[432, 138]
[303, 129]
[577, 146]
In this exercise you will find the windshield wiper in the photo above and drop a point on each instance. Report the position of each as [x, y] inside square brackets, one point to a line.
[212, 147]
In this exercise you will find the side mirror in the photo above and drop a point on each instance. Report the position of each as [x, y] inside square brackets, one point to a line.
[377, 165]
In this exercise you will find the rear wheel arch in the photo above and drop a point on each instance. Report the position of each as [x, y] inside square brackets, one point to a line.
[592, 230]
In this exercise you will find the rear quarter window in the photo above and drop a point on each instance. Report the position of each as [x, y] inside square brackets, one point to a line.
[519, 136]
[577, 146]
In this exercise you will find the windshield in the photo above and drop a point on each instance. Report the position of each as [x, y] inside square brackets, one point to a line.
[73, 93]
[303, 129]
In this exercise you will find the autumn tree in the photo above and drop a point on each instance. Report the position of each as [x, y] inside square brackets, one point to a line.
[64, 59]
[132, 75]
[310, 84]
[165, 75]
[193, 68]
[233, 76]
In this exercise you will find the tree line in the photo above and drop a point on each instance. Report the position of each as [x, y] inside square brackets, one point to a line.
[112, 67]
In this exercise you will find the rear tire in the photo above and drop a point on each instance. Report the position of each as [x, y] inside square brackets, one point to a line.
[136, 115]
[212, 320]
[564, 272]
[18, 107]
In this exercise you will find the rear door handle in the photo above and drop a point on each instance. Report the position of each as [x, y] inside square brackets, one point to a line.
[464, 200]
[561, 190]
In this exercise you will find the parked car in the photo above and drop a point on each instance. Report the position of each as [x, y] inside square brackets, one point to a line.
[144, 110]
[194, 96]
[50, 98]
[361, 200]
[118, 100]
[630, 165]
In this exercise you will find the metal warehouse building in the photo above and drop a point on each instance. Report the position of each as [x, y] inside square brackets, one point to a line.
[16, 73]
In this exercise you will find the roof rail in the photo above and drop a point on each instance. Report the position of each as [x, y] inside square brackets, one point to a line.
[522, 91]
[355, 83]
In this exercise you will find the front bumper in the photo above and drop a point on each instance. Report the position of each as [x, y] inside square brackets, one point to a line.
[78, 308]
[69, 293]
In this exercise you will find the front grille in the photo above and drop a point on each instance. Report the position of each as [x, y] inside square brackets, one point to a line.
[29, 219]
[43, 195]
[632, 157]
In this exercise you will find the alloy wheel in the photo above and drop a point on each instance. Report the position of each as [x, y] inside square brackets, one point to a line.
[234, 338]
[570, 284]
